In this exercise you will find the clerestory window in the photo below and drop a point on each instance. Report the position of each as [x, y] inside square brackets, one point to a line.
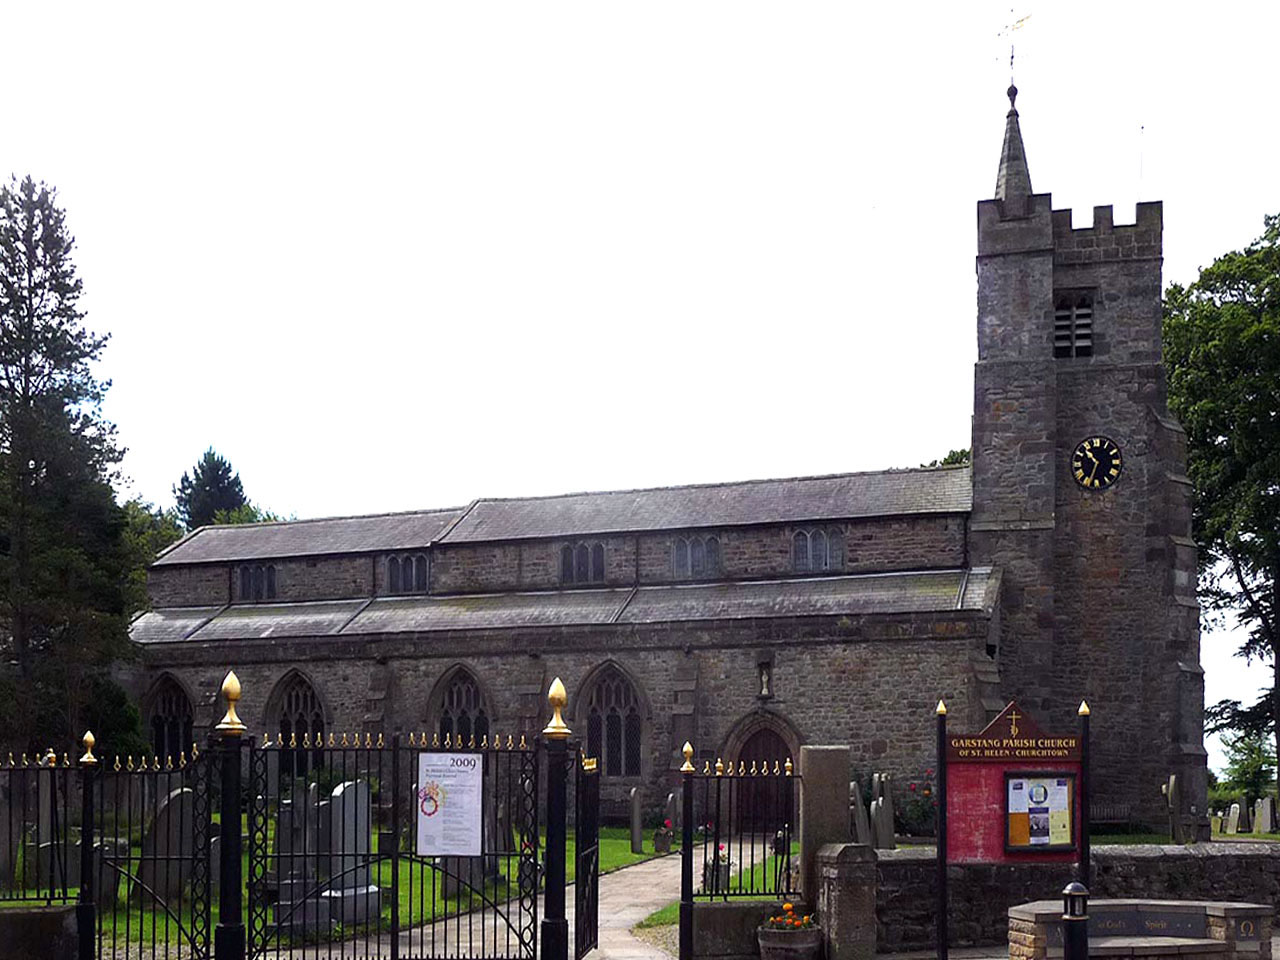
[407, 574]
[582, 563]
[1073, 325]
[818, 550]
[695, 557]
[257, 582]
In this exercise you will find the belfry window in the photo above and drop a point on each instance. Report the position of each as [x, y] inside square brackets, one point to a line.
[1073, 325]
[695, 557]
[407, 574]
[614, 726]
[463, 712]
[817, 551]
[257, 582]
[582, 563]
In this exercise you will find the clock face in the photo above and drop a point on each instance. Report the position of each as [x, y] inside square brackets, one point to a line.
[1096, 463]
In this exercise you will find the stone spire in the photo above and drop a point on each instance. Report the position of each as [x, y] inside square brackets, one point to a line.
[1013, 181]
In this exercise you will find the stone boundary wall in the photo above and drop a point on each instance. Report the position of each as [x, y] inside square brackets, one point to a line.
[981, 894]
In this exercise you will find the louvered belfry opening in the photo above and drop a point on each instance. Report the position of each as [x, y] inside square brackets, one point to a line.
[1073, 326]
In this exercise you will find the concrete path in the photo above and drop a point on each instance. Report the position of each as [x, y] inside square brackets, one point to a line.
[629, 895]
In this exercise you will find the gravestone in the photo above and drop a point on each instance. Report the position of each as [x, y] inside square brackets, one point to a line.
[1233, 819]
[670, 816]
[505, 842]
[164, 865]
[352, 897]
[1173, 808]
[637, 830]
[886, 786]
[299, 906]
[1245, 824]
[1265, 821]
[859, 820]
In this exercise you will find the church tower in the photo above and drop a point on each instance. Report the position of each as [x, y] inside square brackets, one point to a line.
[1080, 494]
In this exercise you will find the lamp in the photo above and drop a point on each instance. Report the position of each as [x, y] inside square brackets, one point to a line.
[1075, 901]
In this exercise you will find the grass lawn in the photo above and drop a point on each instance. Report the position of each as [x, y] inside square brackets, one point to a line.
[421, 897]
[760, 877]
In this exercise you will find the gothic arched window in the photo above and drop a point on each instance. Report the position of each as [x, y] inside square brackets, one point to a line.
[170, 720]
[614, 724]
[463, 712]
[301, 719]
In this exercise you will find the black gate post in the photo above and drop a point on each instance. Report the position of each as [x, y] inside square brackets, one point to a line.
[942, 830]
[395, 846]
[555, 928]
[86, 915]
[686, 854]
[229, 937]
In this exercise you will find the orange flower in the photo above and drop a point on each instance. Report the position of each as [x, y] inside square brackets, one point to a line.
[788, 907]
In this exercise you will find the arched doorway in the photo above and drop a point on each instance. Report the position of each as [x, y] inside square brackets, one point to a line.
[764, 805]
[765, 746]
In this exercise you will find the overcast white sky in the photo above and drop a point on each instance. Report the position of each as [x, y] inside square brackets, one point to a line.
[387, 257]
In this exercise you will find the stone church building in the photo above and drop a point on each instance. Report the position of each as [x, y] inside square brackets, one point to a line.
[753, 617]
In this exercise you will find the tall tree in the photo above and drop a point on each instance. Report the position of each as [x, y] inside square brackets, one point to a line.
[62, 569]
[1222, 350]
[211, 487]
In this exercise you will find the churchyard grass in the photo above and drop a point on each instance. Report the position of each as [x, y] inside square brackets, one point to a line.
[758, 876]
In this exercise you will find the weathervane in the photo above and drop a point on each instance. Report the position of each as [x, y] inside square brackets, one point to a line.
[1008, 31]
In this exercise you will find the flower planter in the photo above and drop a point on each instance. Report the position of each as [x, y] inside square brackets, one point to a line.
[789, 944]
[662, 841]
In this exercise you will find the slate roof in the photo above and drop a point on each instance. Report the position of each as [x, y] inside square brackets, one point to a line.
[799, 499]
[303, 538]
[840, 496]
[931, 591]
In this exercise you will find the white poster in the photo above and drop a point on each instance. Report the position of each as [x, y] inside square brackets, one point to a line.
[450, 798]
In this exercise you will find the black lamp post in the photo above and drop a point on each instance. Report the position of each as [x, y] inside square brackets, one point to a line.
[1075, 921]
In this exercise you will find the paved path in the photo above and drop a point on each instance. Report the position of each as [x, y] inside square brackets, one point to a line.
[629, 895]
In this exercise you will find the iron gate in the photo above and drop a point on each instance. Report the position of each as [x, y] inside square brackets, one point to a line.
[147, 856]
[333, 867]
[586, 885]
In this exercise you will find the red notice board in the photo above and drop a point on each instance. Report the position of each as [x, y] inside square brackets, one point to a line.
[1013, 793]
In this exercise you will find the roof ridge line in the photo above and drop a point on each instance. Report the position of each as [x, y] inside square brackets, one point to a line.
[329, 519]
[950, 467]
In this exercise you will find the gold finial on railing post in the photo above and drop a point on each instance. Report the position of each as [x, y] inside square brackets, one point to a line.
[88, 760]
[230, 725]
[687, 750]
[557, 729]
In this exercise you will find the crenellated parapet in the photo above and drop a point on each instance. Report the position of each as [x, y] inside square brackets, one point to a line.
[1106, 240]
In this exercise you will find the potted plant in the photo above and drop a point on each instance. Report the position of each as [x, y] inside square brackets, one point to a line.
[662, 837]
[789, 936]
[715, 872]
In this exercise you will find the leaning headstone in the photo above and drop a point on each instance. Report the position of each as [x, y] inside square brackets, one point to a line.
[637, 830]
[886, 785]
[877, 787]
[164, 864]
[352, 898]
[1233, 819]
[859, 820]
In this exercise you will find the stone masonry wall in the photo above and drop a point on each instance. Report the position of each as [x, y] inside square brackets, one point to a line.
[981, 894]
[834, 681]
[189, 586]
